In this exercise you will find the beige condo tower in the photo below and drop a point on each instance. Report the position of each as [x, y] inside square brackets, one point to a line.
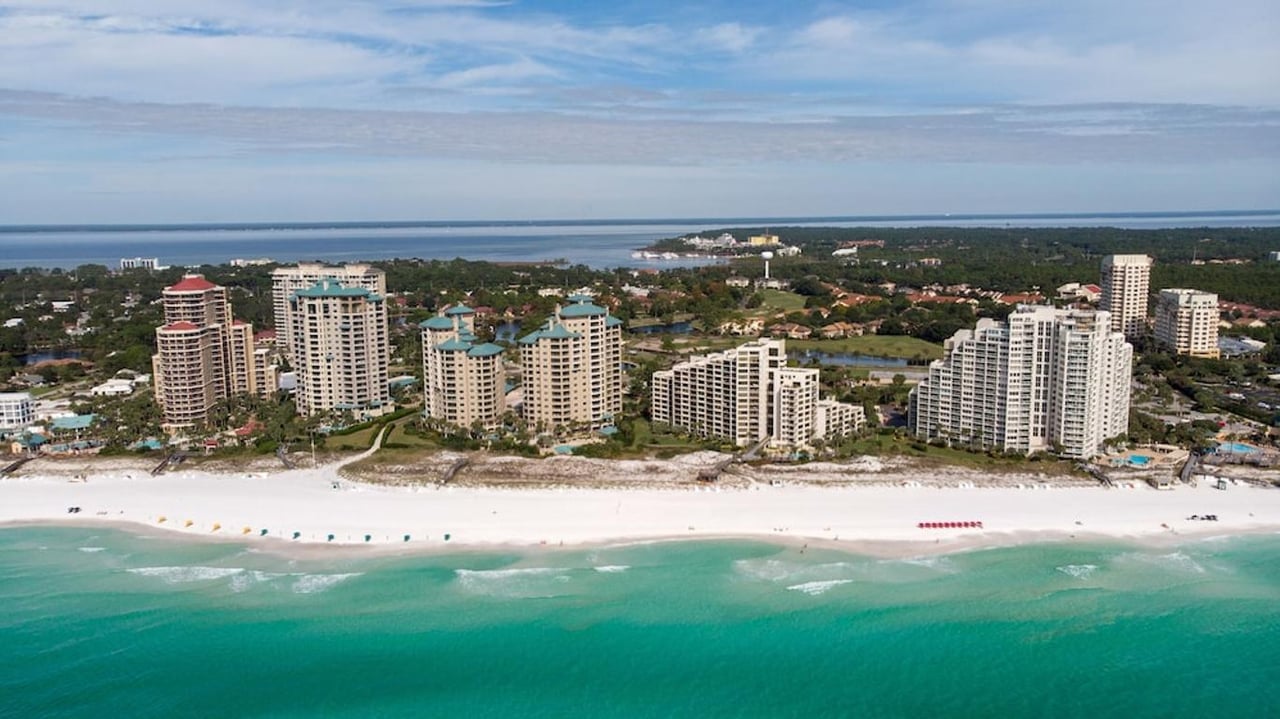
[1126, 284]
[463, 380]
[202, 355]
[340, 349]
[572, 368]
[287, 280]
[747, 394]
[1187, 322]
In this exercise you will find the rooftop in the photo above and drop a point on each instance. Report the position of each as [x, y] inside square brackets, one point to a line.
[583, 309]
[191, 283]
[330, 287]
[437, 323]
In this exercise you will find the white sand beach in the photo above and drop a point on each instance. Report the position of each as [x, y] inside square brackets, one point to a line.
[878, 518]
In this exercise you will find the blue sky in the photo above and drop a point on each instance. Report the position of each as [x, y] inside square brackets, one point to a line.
[254, 110]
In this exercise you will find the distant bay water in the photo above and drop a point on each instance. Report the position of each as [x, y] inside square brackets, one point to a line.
[597, 243]
[99, 622]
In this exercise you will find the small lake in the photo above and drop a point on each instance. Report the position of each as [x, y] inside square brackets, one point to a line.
[676, 328]
[845, 359]
[46, 355]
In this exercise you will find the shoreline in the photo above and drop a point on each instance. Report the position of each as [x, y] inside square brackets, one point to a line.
[874, 549]
[878, 516]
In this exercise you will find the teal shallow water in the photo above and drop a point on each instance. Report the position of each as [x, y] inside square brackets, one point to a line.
[93, 622]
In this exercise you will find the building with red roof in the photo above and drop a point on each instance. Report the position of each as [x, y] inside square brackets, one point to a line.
[203, 355]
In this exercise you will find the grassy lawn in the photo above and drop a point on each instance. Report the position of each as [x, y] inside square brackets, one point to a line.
[657, 321]
[358, 441]
[397, 435]
[876, 345]
[779, 300]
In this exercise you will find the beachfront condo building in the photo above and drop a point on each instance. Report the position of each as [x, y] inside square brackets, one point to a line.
[1044, 379]
[747, 394]
[17, 412]
[287, 280]
[1126, 284]
[463, 381]
[1187, 322]
[266, 372]
[202, 355]
[340, 349]
[572, 368]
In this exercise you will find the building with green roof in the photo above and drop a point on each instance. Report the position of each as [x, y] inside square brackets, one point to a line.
[341, 349]
[463, 378]
[572, 367]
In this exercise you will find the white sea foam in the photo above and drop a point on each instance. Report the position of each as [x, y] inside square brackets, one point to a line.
[612, 568]
[936, 563]
[1079, 571]
[778, 570]
[182, 575]
[813, 589]
[491, 574]
[92, 549]
[1177, 561]
[249, 578]
[316, 583]
[513, 582]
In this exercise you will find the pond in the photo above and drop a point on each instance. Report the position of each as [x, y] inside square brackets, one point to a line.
[845, 359]
[46, 355]
[506, 332]
[675, 328]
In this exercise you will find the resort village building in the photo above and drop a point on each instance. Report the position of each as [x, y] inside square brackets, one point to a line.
[340, 349]
[202, 355]
[287, 280]
[1043, 379]
[1187, 322]
[572, 368]
[747, 394]
[462, 378]
[1126, 283]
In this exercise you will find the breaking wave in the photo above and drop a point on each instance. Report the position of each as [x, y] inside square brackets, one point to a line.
[813, 589]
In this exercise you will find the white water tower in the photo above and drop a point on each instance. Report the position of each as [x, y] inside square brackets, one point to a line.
[766, 256]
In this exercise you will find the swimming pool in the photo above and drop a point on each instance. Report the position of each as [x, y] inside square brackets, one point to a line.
[1139, 460]
[1237, 448]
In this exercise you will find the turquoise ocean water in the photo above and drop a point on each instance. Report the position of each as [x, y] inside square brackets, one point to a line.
[106, 623]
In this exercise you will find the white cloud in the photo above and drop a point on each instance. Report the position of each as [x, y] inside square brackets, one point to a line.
[1111, 133]
[522, 69]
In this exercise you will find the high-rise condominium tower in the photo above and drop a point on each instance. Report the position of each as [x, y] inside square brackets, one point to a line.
[572, 367]
[747, 394]
[202, 355]
[1043, 379]
[340, 349]
[287, 280]
[1126, 283]
[1187, 322]
[463, 381]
